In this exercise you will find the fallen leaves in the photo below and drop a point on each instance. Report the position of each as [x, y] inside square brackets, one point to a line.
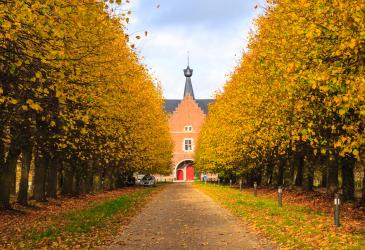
[47, 224]
[304, 221]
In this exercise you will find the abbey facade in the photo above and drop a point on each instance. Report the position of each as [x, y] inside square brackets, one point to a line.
[186, 117]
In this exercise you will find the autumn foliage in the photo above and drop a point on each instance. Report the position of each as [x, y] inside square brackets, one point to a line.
[75, 101]
[295, 106]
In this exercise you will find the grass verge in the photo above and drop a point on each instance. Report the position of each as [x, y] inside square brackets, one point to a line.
[293, 226]
[85, 228]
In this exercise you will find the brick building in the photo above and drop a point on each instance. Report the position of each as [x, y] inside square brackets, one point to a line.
[186, 117]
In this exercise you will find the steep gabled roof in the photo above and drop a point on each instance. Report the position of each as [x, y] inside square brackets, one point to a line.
[203, 104]
[171, 105]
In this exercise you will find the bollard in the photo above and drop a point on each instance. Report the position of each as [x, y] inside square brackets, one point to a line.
[337, 210]
[240, 184]
[219, 181]
[230, 183]
[255, 189]
[280, 196]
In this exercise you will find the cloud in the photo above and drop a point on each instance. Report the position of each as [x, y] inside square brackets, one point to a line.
[215, 33]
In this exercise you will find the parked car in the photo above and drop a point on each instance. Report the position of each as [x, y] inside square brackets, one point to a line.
[148, 181]
[139, 178]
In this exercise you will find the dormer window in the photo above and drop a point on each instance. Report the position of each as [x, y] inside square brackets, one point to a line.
[188, 128]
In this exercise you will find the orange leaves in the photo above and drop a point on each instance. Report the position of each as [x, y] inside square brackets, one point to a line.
[301, 77]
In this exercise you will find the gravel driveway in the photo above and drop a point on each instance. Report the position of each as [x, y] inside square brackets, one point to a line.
[181, 217]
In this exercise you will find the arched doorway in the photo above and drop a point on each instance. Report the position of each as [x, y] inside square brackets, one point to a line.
[185, 171]
[180, 175]
[190, 172]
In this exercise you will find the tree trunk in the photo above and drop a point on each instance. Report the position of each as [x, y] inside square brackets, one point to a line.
[10, 164]
[89, 179]
[2, 148]
[332, 176]
[68, 179]
[324, 177]
[40, 174]
[13, 172]
[280, 177]
[24, 176]
[291, 180]
[52, 177]
[348, 178]
[308, 174]
[269, 173]
[101, 181]
[363, 188]
[77, 185]
[300, 164]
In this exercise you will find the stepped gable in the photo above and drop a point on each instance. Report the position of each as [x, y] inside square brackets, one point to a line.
[172, 104]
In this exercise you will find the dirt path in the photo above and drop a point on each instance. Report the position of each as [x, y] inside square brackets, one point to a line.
[181, 217]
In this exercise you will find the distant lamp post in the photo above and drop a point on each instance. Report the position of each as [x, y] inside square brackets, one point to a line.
[280, 196]
[337, 210]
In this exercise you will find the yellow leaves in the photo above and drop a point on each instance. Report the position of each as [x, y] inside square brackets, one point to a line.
[6, 25]
[290, 87]
[324, 88]
[33, 105]
[355, 152]
[13, 101]
[353, 43]
[342, 112]
[291, 67]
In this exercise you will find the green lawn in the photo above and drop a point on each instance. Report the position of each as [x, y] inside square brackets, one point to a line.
[292, 226]
[87, 228]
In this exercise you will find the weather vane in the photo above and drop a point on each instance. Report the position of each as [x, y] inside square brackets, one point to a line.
[188, 58]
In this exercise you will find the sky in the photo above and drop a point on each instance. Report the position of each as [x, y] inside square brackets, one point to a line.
[214, 32]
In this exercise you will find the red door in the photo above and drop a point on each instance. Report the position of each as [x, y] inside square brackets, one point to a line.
[180, 175]
[190, 172]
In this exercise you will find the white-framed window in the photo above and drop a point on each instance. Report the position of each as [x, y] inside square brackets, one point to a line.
[188, 128]
[188, 144]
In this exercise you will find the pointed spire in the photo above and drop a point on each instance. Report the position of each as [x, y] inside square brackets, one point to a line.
[188, 91]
